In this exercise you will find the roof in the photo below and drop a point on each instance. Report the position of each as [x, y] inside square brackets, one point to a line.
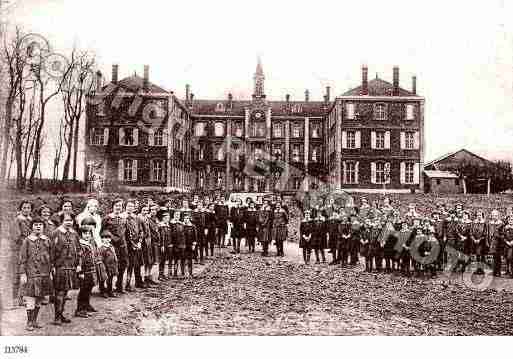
[278, 108]
[440, 174]
[134, 83]
[378, 87]
[450, 154]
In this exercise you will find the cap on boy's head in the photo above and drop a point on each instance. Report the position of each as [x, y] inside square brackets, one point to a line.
[161, 213]
[38, 220]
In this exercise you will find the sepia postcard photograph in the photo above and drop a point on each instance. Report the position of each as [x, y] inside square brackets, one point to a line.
[255, 169]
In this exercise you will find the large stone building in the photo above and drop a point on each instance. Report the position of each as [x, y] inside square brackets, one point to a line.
[368, 139]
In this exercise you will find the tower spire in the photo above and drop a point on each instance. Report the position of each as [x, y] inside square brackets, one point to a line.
[259, 80]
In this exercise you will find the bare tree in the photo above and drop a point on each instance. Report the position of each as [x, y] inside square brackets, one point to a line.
[63, 128]
[77, 84]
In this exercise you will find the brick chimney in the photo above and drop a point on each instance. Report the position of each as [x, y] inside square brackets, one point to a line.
[328, 93]
[414, 85]
[287, 98]
[396, 81]
[307, 95]
[365, 80]
[115, 70]
[230, 100]
[187, 92]
[98, 81]
[146, 78]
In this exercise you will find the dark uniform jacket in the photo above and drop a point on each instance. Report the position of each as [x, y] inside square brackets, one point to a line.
[305, 229]
[34, 262]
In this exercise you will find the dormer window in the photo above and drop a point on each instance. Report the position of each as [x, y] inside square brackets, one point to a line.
[380, 112]
[219, 129]
[297, 108]
[410, 112]
[220, 107]
[350, 111]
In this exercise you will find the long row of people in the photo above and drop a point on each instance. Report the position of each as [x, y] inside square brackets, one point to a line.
[55, 253]
[410, 243]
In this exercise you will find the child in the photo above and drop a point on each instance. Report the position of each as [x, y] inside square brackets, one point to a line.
[167, 245]
[116, 225]
[65, 257]
[210, 224]
[134, 238]
[507, 233]
[333, 235]
[189, 242]
[156, 240]
[147, 251]
[478, 240]
[343, 244]
[495, 241]
[318, 237]
[108, 255]
[305, 230]
[22, 229]
[89, 222]
[354, 249]
[34, 269]
[404, 241]
[199, 219]
[176, 244]
[365, 245]
[87, 274]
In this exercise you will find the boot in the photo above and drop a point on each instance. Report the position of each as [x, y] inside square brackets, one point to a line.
[63, 318]
[128, 286]
[35, 313]
[57, 309]
[29, 326]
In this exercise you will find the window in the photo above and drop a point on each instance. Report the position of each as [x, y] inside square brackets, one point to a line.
[410, 112]
[258, 153]
[201, 179]
[219, 129]
[296, 130]
[277, 152]
[101, 108]
[237, 129]
[351, 139]
[259, 129]
[316, 130]
[380, 112]
[350, 111]
[199, 129]
[158, 137]
[220, 153]
[380, 140]
[219, 107]
[296, 183]
[127, 137]
[457, 182]
[296, 157]
[315, 154]
[438, 181]
[350, 175]
[409, 175]
[201, 153]
[97, 136]
[277, 130]
[409, 140]
[158, 170]
[380, 173]
[128, 170]
[297, 108]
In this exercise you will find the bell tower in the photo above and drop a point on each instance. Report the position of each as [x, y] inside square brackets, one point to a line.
[259, 81]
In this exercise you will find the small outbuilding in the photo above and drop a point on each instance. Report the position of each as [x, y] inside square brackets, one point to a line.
[442, 182]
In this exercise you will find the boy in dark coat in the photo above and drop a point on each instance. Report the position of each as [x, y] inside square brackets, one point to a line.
[333, 224]
[134, 239]
[87, 275]
[188, 243]
[116, 225]
[305, 232]
[108, 255]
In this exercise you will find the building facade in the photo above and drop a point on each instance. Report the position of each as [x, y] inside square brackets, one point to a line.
[368, 139]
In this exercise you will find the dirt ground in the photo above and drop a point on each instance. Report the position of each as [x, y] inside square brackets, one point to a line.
[248, 294]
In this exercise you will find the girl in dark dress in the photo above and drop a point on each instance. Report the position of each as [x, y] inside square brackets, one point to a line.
[264, 226]
[21, 229]
[478, 239]
[319, 237]
[333, 236]
[344, 240]
[251, 221]
[65, 258]
[280, 221]
[354, 241]
[366, 245]
[305, 231]
[237, 220]
[34, 268]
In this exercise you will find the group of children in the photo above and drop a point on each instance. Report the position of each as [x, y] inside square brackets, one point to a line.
[62, 251]
[410, 243]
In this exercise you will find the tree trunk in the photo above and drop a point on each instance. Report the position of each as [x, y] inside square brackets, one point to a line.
[6, 139]
[75, 146]
[68, 140]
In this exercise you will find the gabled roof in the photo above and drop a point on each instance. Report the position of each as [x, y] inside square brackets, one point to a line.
[450, 154]
[278, 108]
[440, 174]
[378, 87]
[134, 83]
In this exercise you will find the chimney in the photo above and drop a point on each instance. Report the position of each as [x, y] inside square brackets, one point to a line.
[115, 69]
[287, 98]
[192, 98]
[307, 95]
[230, 100]
[365, 80]
[414, 85]
[146, 79]
[98, 81]
[396, 81]
[327, 98]
[187, 92]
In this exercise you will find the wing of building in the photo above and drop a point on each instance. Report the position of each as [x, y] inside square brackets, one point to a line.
[368, 139]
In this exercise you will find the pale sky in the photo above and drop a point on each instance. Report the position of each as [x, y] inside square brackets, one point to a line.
[461, 52]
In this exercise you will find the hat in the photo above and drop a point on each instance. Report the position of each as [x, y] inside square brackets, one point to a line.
[161, 213]
[88, 221]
